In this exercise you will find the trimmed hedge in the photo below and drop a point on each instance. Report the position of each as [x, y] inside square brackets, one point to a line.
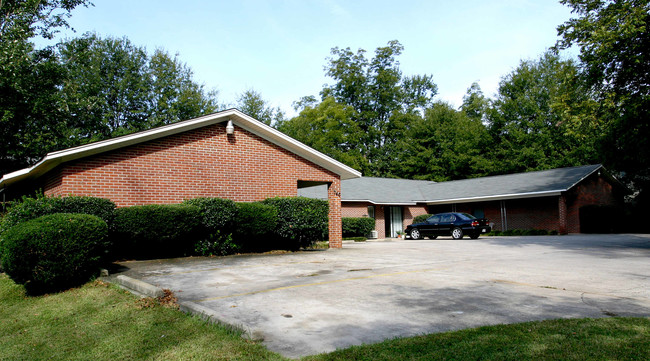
[54, 252]
[301, 221]
[216, 214]
[29, 208]
[155, 230]
[421, 218]
[357, 227]
[255, 224]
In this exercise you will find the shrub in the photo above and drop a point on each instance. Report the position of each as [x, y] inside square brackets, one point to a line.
[55, 251]
[216, 244]
[301, 221]
[217, 221]
[155, 230]
[357, 227]
[216, 214]
[421, 218]
[255, 225]
[29, 208]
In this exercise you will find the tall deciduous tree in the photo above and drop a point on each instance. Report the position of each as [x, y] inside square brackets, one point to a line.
[614, 42]
[29, 80]
[535, 122]
[444, 145]
[329, 128]
[252, 103]
[113, 87]
[382, 101]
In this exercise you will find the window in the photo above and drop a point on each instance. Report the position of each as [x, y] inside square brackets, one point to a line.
[447, 218]
[371, 211]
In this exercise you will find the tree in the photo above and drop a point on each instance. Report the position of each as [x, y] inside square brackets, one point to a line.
[475, 104]
[328, 127]
[175, 95]
[106, 88]
[614, 42]
[382, 101]
[252, 103]
[535, 121]
[444, 145]
[113, 87]
[30, 80]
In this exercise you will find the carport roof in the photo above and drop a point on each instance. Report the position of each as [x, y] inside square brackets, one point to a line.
[520, 185]
[511, 186]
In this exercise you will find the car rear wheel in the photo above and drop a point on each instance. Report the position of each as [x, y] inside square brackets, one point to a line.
[474, 236]
[457, 233]
[415, 233]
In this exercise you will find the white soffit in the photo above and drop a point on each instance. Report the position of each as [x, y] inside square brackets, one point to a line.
[262, 130]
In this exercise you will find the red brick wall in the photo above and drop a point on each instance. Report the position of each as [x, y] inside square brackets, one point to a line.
[410, 212]
[355, 209]
[204, 162]
[594, 190]
[527, 213]
[544, 212]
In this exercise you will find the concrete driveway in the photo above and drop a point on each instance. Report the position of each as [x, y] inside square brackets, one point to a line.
[311, 302]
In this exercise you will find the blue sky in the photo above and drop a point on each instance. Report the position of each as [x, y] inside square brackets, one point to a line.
[279, 47]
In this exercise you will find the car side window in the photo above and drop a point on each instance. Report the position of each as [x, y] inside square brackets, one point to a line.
[448, 218]
[433, 219]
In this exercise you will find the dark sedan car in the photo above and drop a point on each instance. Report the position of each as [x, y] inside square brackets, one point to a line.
[449, 224]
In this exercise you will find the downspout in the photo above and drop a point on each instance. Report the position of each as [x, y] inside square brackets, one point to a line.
[504, 217]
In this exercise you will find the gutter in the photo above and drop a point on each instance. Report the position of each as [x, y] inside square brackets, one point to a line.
[498, 197]
[380, 203]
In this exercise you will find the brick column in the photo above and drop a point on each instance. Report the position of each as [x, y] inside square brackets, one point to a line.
[562, 214]
[335, 225]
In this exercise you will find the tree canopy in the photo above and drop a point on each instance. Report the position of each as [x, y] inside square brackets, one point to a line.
[84, 89]
[614, 42]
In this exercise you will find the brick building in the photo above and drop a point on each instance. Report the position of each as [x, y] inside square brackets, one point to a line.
[548, 200]
[226, 155]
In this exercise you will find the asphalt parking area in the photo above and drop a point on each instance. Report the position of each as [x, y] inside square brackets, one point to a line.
[311, 302]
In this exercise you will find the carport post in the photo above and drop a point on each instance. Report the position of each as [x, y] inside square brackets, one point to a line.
[335, 226]
[562, 212]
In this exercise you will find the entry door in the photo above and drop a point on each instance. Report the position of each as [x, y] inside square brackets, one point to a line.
[395, 220]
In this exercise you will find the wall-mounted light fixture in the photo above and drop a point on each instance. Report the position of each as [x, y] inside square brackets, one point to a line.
[230, 129]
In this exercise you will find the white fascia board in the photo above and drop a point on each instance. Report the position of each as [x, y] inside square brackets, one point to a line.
[498, 197]
[53, 159]
[275, 136]
[380, 203]
[587, 175]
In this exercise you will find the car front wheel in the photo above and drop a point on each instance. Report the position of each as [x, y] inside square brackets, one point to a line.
[457, 233]
[415, 234]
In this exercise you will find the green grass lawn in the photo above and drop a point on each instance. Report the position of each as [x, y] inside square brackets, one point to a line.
[101, 322]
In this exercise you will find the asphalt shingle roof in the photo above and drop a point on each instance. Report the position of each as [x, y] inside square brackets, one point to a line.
[508, 186]
[406, 191]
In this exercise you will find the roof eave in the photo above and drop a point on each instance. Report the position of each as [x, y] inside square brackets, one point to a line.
[51, 160]
[380, 202]
[498, 197]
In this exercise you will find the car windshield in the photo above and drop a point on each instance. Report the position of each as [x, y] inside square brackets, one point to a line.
[466, 216]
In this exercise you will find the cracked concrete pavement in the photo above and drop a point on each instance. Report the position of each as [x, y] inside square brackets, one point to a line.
[317, 301]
